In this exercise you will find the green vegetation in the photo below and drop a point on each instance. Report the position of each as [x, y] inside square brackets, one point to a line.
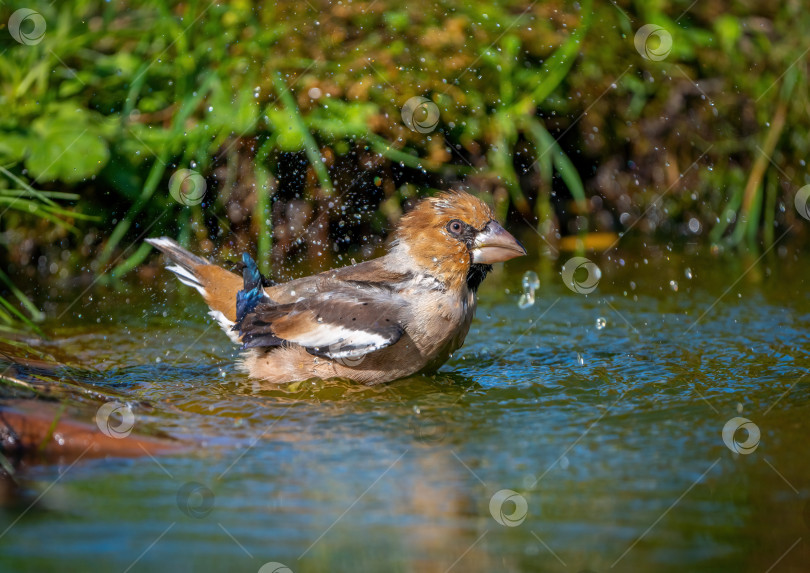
[292, 113]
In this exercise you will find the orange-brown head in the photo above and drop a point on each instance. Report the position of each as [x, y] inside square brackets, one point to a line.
[447, 235]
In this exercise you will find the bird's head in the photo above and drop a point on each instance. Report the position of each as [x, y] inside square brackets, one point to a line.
[454, 237]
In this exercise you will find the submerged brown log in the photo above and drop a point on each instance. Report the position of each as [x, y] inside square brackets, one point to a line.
[34, 431]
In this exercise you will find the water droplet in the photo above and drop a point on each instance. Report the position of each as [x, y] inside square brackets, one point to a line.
[601, 323]
[526, 299]
[530, 280]
[688, 273]
[580, 359]
[530, 283]
[673, 285]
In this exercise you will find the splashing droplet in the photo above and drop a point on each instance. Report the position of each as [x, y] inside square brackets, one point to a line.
[526, 299]
[601, 323]
[530, 283]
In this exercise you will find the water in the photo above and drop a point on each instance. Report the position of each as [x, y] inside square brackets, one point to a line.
[530, 283]
[602, 413]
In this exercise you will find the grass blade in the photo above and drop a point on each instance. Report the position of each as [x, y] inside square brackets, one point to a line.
[310, 146]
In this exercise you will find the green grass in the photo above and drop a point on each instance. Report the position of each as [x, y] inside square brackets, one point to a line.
[542, 108]
[21, 203]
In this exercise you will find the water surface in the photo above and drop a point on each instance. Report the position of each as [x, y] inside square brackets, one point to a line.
[602, 413]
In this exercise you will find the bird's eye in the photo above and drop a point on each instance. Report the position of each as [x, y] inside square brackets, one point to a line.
[455, 227]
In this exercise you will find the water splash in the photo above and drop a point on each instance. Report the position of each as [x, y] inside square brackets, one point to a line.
[531, 282]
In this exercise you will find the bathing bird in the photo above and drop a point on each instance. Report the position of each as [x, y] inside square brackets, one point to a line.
[372, 322]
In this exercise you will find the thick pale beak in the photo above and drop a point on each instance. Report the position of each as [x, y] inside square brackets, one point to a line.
[494, 245]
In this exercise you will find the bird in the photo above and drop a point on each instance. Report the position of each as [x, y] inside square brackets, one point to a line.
[372, 322]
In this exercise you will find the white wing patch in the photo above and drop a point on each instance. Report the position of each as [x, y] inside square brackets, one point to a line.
[339, 342]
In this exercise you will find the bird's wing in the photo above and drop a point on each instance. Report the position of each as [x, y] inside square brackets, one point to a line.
[345, 322]
[373, 274]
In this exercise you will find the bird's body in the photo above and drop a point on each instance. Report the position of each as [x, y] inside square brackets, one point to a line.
[430, 323]
[372, 322]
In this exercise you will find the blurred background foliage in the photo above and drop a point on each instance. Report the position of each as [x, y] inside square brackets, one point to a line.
[291, 112]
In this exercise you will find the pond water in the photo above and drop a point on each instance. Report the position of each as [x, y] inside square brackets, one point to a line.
[601, 414]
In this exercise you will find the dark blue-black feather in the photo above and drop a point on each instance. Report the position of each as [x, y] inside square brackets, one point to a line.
[251, 293]
[242, 265]
[250, 273]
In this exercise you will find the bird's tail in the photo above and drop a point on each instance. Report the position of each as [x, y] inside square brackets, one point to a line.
[217, 286]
